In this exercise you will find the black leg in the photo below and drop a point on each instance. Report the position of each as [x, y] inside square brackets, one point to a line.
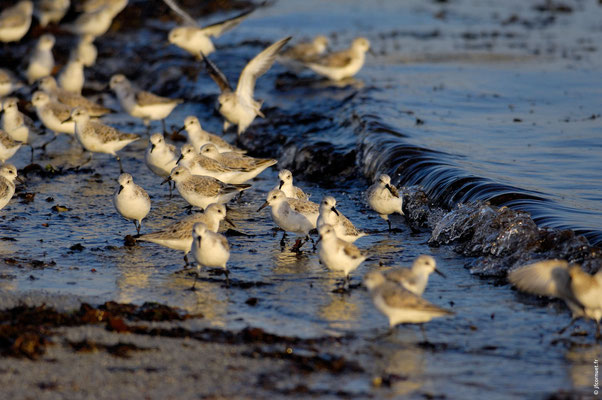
[389, 222]
[43, 147]
[138, 227]
[120, 165]
[186, 260]
[31, 159]
[196, 277]
[423, 333]
[573, 320]
[188, 208]
[164, 127]
[282, 240]
[227, 273]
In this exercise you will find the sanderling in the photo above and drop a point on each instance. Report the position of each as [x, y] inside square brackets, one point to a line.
[41, 61]
[52, 11]
[97, 137]
[198, 137]
[337, 254]
[90, 6]
[131, 201]
[15, 21]
[198, 164]
[15, 123]
[178, 236]
[209, 249]
[71, 77]
[399, 304]
[286, 185]
[416, 278]
[342, 64]
[86, 51]
[292, 215]
[97, 21]
[238, 107]
[141, 104]
[329, 215]
[296, 55]
[195, 39]
[160, 156]
[8, 175]
[384, 198]
[7, 83]
[49, 86]
[52, 114]
[581, 291]
[250, 166]
[200, 191]
[8, 147]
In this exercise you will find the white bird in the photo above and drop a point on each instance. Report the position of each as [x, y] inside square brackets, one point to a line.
[178, 236]
[200, 191]
[292, 215]
[8, 147]
[86, 51]
[131, 201]
[343, 228]
[160, 156]
[198, 164]
[195, 39]
[337, 254]
[8, 175]
[52, 11]
[209, 249]
[98, 20]
[416, 278]
[342, 64]
[286, 185]
[15, 21]
[48, 85]
[141, 104]
[15, 123]
[197, 136]
[52, 114]
[71, 77]
[96, 137]
[41, 61]
[233, 159]
[581, 291]
[384, 198]
[238, 107]
[295, 56]
[7, 83]
[399, 304]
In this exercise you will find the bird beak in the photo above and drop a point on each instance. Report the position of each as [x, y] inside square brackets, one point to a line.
[120, 189]
[264, 205]
[228, 220]
[318, 241]
[67, 120]
[152, 147]
[440, 273]
[371, 52]
[19, 179]
[281, 184]
[180, 158]
[181, 129]
[391, 190]
[166, 180]
[198, 239]
[335, 211]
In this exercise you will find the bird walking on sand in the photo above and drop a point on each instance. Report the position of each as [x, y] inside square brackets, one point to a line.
[131, 201]
[238, 107]
[384, 198]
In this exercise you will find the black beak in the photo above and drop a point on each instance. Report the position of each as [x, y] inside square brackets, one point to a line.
[180, 158]
[393, 191]
[335, 211]
[152, 147]
[281, 183]
[166, 180]
[67, 120]
[264, 205]
[120, 189]
[440, 273]
[181, 129]
[318, 241]
[198, 239]
[19, 179]
[228, 220]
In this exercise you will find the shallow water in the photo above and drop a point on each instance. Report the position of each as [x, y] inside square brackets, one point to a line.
[466, 86]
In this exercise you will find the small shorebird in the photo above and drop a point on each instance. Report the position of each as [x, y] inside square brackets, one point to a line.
[399, 304]
[286, 185]
[8, 175]
[48, 85]
[200, 191]
[197, 137]
[15, 21]
[131, 201]
[198, 164]
[8, 147]
[581, 291]
[209, 249]
[54, 115]
[97, 137]
[178, 236]
[86, 51]
[292, 215]
[52, 11]
[416, 278]
[7, 83]
[305, 51]
[15, 123]
[160, 156]
[343, 228]
[384, 198]
[238, 107]
[41, 61]
[342, 64]
[71, 77]
[98, 19]
[250, 166]
[141, 104]
[337, 254]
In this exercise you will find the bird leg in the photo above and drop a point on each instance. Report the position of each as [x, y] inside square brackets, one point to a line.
[31, 159]
[164, 127]
[188, 208]
[120, 165]
[196, 277]
[43, 147]
[389, 222]
[573, 320]
[423, 333]
[297, 246]
[282, 241]
[227, 273]
[186, 260]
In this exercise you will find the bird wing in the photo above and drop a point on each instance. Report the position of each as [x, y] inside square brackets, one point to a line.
[61, 111]
[216, 74]
[188, 20]
[220, 27]
[400, 274]
[398, 297]
[300, 194]
[337, 59]
[351, 250]
[205, 185]
[257, 67]
[304, 206]
[348, 225]
[149, 99]
[544, 278]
